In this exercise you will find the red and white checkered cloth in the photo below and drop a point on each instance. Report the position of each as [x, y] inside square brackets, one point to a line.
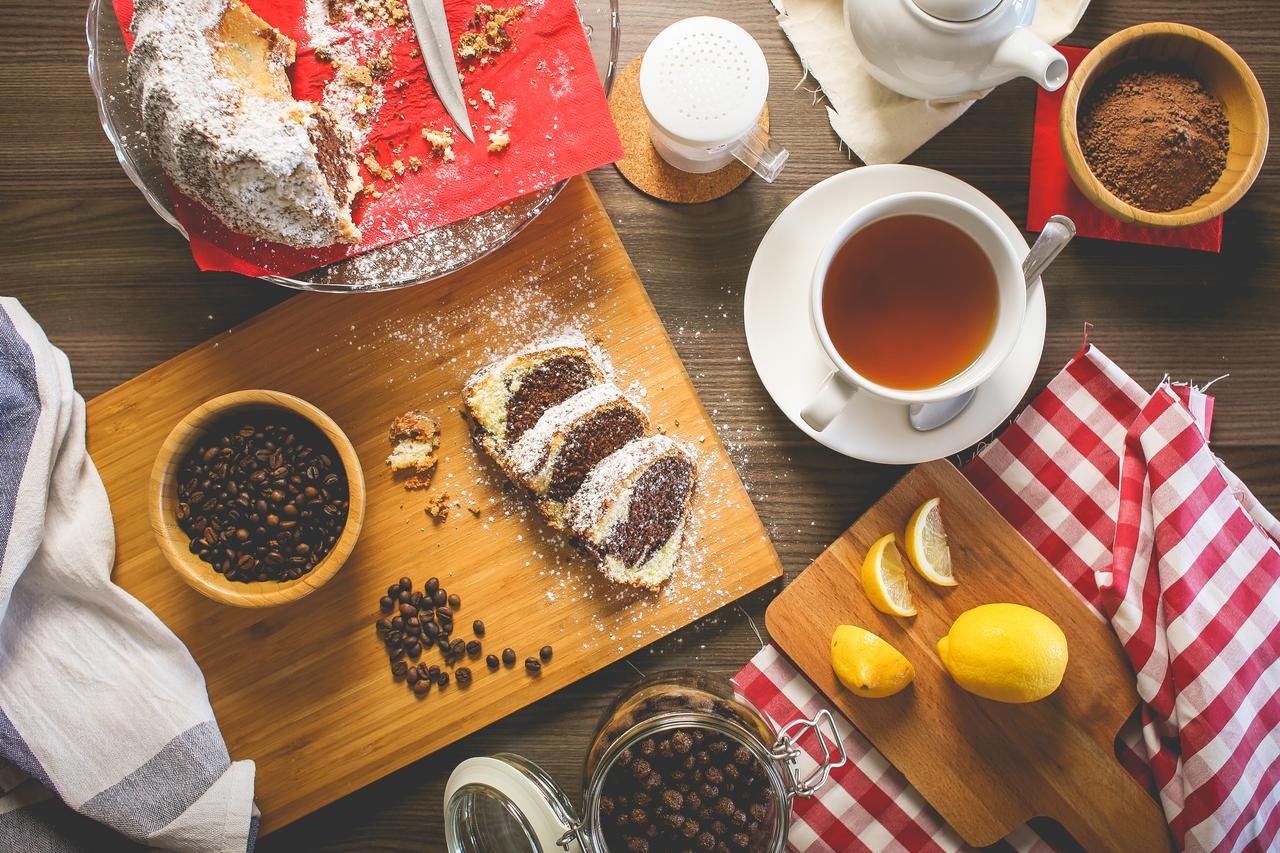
[1119, 491]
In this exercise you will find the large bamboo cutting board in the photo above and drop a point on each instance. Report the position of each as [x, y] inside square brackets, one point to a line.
[305, 689]
[987, 767]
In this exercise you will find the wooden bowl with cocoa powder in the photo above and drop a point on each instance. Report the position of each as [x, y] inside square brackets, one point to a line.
[315, 431]
[1223, 74]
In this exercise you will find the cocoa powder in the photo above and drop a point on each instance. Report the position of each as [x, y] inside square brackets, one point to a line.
[1154, 136]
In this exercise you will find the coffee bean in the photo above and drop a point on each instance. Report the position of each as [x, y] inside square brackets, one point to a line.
[458, 647]
[406, 584]
[509, 656]
[441, 598]
[473, 648]
[545, 653]
[477, 628]
[463, 675]
[420, 688]
[454, 601]
[386, 604]
[431, 586]
[411, 677]
[443, 679]
[433, 672]
[407, 610]
[532, 666]
[492, 662]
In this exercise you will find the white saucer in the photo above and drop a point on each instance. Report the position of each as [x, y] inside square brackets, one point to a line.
[791, 362]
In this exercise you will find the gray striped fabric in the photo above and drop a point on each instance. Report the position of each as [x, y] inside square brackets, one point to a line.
[115, 730]
[19, 411]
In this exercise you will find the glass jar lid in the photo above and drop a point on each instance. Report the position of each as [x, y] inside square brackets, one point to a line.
[506, 802]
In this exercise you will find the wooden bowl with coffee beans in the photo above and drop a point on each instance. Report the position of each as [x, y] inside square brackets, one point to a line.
[1163, 125]
[257, 498]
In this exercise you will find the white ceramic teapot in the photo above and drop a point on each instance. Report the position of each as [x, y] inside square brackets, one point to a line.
[951, 49]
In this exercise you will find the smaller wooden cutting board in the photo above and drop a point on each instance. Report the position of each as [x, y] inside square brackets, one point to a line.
[987, 767]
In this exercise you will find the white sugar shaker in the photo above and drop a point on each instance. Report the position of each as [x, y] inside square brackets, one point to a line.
[704, 82]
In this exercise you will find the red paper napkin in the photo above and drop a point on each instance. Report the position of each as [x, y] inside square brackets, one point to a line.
[1052, 190]
[548, 95]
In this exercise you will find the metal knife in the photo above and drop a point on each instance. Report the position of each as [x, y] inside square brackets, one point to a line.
[437, 52]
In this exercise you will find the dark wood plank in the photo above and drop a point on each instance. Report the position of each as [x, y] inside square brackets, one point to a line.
[115, 287]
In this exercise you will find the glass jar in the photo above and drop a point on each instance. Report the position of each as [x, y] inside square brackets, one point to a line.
[506, 803]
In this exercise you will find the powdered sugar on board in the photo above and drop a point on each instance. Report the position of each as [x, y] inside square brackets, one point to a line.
[519, 315]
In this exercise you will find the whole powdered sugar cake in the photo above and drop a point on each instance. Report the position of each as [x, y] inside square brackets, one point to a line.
[209, 79]
[552, 418]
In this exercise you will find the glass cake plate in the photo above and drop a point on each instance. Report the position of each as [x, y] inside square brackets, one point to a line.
[415, 260]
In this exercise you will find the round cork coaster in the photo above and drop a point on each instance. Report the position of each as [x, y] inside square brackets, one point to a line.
[640, 163]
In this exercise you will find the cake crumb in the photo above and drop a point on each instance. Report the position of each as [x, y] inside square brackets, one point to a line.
[487, 97]
[415, 440]
[487, 32]
[498, 141]
[441, 142]
[438, 507]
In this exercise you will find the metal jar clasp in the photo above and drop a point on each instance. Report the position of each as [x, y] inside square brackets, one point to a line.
[787, 751]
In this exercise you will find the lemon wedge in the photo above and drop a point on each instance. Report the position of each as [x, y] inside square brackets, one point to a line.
[927, 544]
[884, 578]
[868, 665]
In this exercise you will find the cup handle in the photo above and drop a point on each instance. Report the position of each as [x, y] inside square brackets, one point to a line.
[834, 394]
[760, 154]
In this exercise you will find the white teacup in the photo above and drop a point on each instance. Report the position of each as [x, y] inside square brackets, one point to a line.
[843, 382]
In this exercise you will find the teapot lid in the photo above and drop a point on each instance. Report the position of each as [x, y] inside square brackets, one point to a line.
[957, 10]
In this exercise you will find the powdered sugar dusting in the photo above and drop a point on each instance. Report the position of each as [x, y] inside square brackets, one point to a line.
[544, 299]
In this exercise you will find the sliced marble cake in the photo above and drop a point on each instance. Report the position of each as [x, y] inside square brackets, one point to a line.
[554, 456]
[632, 511]
[507, 398]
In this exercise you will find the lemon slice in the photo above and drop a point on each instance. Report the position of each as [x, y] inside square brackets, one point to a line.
[927, 544]
[884, 579]
[868, 665]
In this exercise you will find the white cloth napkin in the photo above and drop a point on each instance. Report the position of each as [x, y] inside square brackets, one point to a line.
[877, 124]
[102, 709]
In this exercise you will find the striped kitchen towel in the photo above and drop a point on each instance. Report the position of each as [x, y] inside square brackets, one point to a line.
[1119, 491]
[107, 739]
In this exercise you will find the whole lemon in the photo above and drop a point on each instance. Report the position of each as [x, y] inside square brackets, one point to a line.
[1005, 652]
[868, 665]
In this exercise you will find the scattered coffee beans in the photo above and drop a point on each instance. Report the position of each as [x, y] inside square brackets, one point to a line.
[687, 790]
[413, 621]
[262, 501]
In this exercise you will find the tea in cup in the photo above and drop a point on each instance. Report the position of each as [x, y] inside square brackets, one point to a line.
[917, 298]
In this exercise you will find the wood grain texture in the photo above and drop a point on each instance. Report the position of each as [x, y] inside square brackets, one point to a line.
[987, 767]
[115, 288]
[162, 499]
[337, 718]
[1224, 74]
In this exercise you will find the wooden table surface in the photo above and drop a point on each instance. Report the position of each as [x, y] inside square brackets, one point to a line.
[116, 289]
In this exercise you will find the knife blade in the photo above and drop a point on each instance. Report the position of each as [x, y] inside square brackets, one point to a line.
[437, 52]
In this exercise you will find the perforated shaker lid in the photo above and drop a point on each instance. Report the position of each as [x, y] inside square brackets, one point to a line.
[704, 81]
[957, 10]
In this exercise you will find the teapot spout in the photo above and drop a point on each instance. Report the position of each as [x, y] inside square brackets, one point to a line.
[1025, 54]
